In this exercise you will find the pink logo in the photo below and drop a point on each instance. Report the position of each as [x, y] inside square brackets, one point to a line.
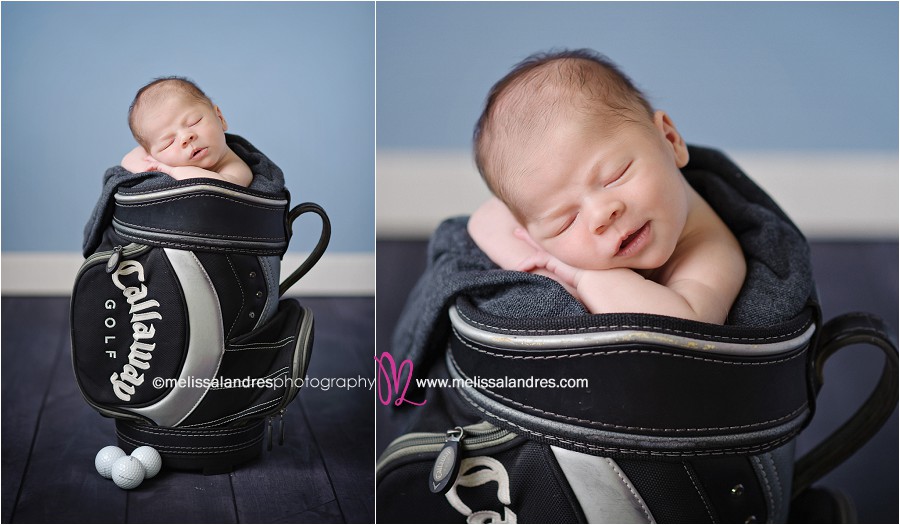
[389, 382]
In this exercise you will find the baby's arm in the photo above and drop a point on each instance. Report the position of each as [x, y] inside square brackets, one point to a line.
[700, 281]
[624, 290]
[241, 178]
[492, 227]
[188, 172]
[135, 160]
[138, 160]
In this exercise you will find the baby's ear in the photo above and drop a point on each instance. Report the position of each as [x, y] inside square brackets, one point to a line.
[221, 118]
[666, 127]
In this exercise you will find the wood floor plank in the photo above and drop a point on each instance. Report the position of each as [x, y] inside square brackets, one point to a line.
[182, 497]
[61, 470]
[288, 483]
[343, 419]
[61, 467]
[33, 333]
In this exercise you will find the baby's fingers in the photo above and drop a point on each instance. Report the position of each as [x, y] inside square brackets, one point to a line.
[566, 273]
[533, 262]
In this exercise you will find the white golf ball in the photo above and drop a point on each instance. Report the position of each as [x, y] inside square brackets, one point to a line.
[149, 458]
[104, 460]
[127, 472]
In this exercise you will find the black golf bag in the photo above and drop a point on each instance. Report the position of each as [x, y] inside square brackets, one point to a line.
[179, 331]
[536, 411]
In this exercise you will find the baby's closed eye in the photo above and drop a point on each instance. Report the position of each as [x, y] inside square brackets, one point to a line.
[617, 177]
[566, 224]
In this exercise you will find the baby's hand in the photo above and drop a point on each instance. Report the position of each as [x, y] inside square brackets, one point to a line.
[541, 259]
[139, 161]
[152, 164]
[136, 160]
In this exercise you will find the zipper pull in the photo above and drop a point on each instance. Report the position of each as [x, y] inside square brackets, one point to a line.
[269, 431]
[281, 427]
[446, 466]
[114, 259]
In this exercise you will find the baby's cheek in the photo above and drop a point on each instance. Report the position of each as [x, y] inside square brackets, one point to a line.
[575, 255]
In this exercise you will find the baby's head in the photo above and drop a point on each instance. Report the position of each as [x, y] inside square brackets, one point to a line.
[157, 93]
[173, 111]
[580, 157]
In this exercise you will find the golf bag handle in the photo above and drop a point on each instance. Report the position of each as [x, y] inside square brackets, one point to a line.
[321, 245]
[842, 331]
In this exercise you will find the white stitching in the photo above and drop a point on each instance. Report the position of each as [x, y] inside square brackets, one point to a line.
[777, 481]
[187, 450]
[188, 246]
[273, 344]
[633, 327]
[702, 499]
[262, 346]
[614, 352]
[275, 208]
[178, 432]
[625, 482]
[237, 415]
[241, 288]
[770, 500]
[198, 233]
[576, 445]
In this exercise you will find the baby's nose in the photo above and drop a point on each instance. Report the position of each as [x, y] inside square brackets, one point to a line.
[187, 138]
[604, 214]
[604, 222]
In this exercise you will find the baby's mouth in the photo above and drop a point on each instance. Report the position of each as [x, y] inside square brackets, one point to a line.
[634, 241]
[197, 152]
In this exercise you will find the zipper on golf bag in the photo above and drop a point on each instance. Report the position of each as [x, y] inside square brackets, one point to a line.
[470, 438]
[112, 257]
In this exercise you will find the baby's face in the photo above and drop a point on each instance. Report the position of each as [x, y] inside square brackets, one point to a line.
[182, 131]
[600, 200]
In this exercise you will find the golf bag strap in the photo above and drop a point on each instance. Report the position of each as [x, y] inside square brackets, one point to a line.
[845, 331]
[652, 389]
[204, 215]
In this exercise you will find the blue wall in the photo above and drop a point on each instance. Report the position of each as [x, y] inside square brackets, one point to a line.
[296, 79]
[741, 75]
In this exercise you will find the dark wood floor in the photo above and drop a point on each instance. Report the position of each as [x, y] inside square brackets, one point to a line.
[322, 474]
[850, 276]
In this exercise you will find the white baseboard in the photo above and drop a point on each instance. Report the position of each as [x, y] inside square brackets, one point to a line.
[53, 274]
[845, 195]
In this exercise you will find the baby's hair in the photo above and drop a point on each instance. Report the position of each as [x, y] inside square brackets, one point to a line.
[155, 91]
[538, 88]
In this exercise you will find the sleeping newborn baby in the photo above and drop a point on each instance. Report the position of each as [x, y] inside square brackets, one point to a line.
[180, 132]
[588, 191]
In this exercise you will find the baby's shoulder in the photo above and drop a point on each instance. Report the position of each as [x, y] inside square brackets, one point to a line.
[236, 170]
[708, 249]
